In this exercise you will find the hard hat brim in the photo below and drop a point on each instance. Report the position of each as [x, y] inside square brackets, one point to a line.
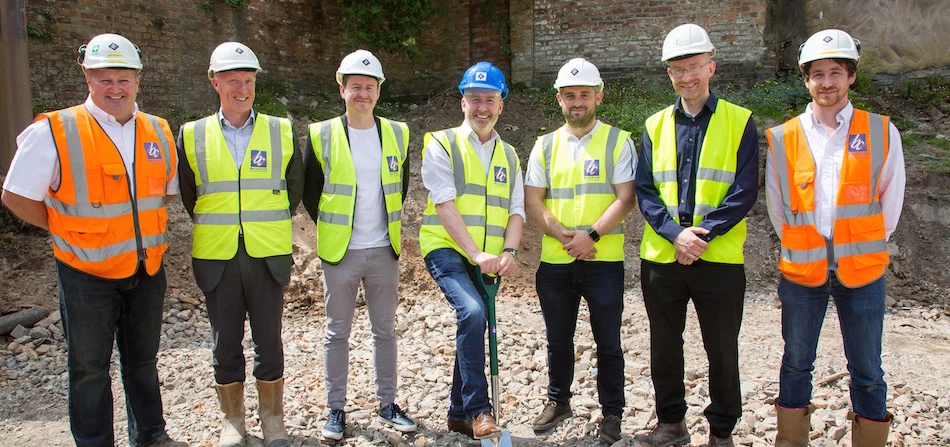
[340, 75]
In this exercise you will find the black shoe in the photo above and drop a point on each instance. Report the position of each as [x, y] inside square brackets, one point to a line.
[610, 429]
[335, 426]
[393, 415]
[552, 414]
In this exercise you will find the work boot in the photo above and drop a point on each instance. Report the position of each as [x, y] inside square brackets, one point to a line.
[463, 427]
[552, 414]
[231, 399]
[271, 412]
[393, 415]
[485, 427]
[793, 426]
[665, 435]
[610, 429]
[335, 426]
[168, 442]
[715, 441]
[868, 433]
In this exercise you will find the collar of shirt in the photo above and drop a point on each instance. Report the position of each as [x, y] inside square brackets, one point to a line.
[584, 139]
[227, 124]
[466, 129]
[844, 116]
[103, 117]
[710, 105]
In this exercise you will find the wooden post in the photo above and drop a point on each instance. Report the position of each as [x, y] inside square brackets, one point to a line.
[15, 100]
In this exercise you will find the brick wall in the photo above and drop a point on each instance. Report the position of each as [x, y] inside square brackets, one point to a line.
[623, 37]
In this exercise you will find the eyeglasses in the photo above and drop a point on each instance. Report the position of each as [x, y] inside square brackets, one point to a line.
[680, 72]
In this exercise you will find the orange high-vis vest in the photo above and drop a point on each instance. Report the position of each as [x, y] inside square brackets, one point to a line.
[98, 225]
[858, 249]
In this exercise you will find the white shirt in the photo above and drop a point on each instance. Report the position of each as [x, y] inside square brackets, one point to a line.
[35, 167]
[439, 179]
[537, 176]
[237, 138]
[370, 226]
[828, 153]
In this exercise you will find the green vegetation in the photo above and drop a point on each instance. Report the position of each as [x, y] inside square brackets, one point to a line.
[389, 25]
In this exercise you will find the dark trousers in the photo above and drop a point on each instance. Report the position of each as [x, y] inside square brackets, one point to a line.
[717, 292]
[98, 312]
[560, 288]
[246, 290]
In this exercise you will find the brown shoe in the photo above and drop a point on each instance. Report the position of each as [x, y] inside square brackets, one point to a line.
[715, 441]
[485, 427]
[463, 427]
[665, 435]
[552, 414]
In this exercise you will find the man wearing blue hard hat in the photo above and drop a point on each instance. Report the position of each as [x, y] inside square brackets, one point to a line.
[474, 218]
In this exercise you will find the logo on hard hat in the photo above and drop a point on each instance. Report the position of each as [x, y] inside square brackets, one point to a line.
[575, 72]
[95, 49]
[828, 39]
[591, 168]
[258, 160]
[113, 46]
[366, 62]
[857, 144]
[152, 152]
[393, 163]
[481, 76]
[239, 51]
[501, 174]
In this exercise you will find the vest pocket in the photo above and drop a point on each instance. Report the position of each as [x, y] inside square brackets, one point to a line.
[86, 233]
[855, 192]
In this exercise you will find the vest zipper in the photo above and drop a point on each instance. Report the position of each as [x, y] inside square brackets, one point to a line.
[135, 207]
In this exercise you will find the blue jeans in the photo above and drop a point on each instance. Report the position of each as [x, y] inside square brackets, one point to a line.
[456, 277]
[97, 312]
[560, 288]
[861, 316]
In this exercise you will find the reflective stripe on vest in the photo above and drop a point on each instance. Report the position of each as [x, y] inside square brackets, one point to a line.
[483, 201]
[98, 224]
[715, 173]
[253, 200]
[858, 250]
[338, 200]
[579, 192]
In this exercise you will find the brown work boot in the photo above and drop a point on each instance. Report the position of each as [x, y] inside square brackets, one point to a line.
[665, 435]
[793, 425]
[610, 429]
[552, 414]
[231, 400]
[463, 427]
[271, 412]
[715, 441]
[168, 442]
[485, 426]
[868, 433]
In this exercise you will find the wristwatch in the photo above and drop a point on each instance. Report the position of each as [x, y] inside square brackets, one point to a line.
[593, 234]
[513, 251]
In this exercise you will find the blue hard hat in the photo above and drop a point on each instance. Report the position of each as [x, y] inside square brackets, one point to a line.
[484, 75]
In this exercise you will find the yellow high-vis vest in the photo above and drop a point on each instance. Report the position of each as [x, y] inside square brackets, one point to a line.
[338, 200]
[715, 174]
[483, 201]
[579, 192]
[253, 200]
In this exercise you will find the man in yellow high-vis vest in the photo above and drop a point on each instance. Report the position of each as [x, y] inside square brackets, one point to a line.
[97, 176]
[697, 178]
[579, 188]
[834, 182]
[241, 180]
[357, 170]
[474, 218]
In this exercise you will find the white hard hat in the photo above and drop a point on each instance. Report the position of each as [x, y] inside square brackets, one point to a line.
[360, 62]
[687, 40]
[579, 72]
[232, 56]
[110, 51]
[829, 44]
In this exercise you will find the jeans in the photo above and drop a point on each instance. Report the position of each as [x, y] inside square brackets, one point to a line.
[560, 288]
[97, 312]
[456, 277]
[861, 316]
[717, 291]
[378, 270]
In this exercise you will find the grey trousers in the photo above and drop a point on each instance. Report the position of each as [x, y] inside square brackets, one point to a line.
[378, 270]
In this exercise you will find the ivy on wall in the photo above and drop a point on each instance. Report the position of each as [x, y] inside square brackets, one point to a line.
[389, 25]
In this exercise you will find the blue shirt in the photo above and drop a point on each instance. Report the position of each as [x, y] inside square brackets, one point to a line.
[690, 132]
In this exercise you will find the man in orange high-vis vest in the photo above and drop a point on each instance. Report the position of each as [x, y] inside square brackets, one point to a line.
[835, 186]
[97, 176]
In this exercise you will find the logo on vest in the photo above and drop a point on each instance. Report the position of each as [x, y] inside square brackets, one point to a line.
[152, 152]
[501, 174]
[591, 168]
[857, 144]
[393, 163]
[258, 160]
